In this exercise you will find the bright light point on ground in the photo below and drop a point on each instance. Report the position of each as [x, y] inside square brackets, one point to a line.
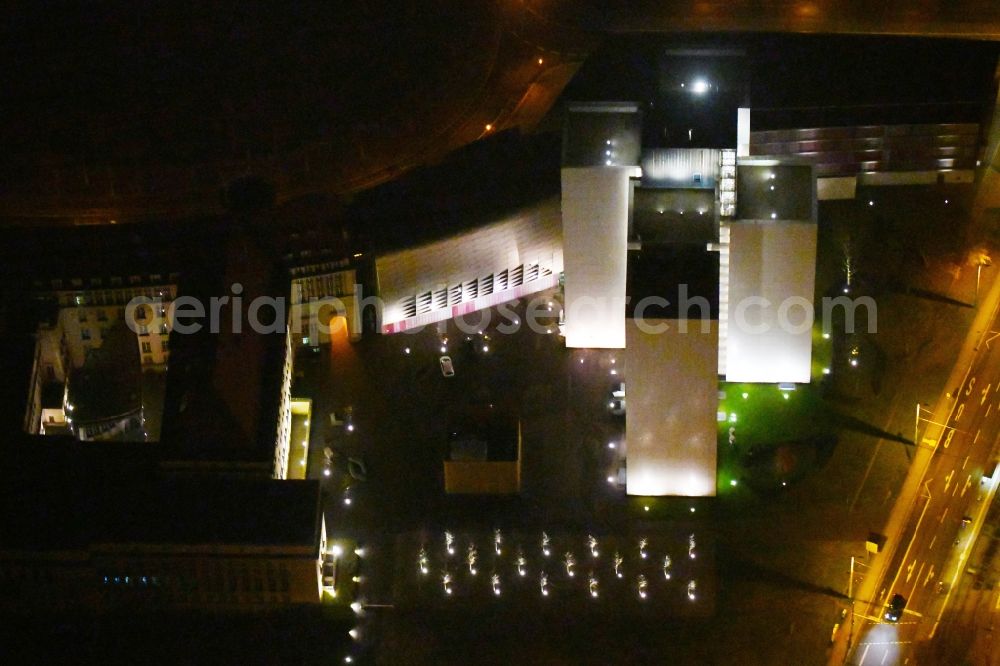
[581, 360]
[785, 396]
[613, 371]
[347, 501]
[746, 395]
[846, 289]
[356, 579]
[350, 427]
[645, 508]
[336, 551]
[871, 202]
[699, 87]
[692, 509]
[774, 216]
[540, 61]
[517, 321]
[347, 660]
[826, 336]
[302, 462]
[612, 361]
[443, 349]
[611, 479]
[326, 472]
[489, 127]
[360, 552]
[784, 483]
[826, 371]
[486, 348]
[854, 362]
[732, 418]
[406, 350]
[356, 607]
[772, 188]
[448, 591]
[608, 142]
[946, 201]
[354, 633]
[733, 482]
[611, 445]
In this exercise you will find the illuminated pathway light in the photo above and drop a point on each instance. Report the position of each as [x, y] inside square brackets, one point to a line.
[545, 544]
[470, 556]
[422, 561]
[691, 545]
[570, 562]
[642, 547]
[593, 585]
[495, 581]
[666, 567]
[618, 564]
[692, 586]
[520, 564]
[592, 544]
[449, 543]
[642, 584]
[446, 582]
[544, 583]
[497, 540]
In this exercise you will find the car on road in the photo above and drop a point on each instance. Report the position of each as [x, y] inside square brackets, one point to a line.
[895, 609]
[447, 369]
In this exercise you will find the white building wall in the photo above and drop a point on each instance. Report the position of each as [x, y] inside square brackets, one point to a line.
[671, 431]
[772, 275]
[450, 273]
[595, 205]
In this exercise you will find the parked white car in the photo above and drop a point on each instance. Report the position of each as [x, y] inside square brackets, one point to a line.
[447, 369]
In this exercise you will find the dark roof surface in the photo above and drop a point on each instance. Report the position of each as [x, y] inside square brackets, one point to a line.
[673, 272]
[59, 494]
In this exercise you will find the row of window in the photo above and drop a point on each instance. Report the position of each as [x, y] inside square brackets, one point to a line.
[114, 281]
[115, 296]
[467, 291]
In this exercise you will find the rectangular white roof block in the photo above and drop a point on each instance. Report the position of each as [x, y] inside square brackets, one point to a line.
[772, 275]
[671, 403]
[595, 203]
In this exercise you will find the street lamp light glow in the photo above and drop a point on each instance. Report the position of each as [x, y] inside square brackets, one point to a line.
[699, 87]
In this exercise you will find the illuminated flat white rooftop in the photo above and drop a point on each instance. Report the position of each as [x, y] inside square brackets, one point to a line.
[772, 274]
[672, 399]
[595, 203]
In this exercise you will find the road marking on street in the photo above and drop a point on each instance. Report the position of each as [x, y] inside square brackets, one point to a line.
[959, 412]
[930, 574]
[990, 406]
[947, 481]
[997, 605]
[864, 654]
[920, 572]
[932, 542]
[947, 438]
[945, 513]
[978, 433]
[885, 655]
[909, 570]
[965, 462]
[968, 482]
[985, 390]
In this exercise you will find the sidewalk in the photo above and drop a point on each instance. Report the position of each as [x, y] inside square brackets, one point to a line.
[899, 517]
